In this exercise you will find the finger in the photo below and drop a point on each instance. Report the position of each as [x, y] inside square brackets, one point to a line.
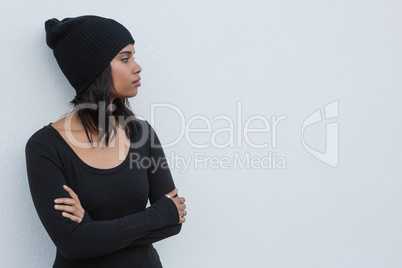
[176, 200]
[71, 192]
[68, 201]
[182, 200]
[66, 208]
[71, 217]
[182, 207]
[183, 213]
[182, 220]
[173, 193]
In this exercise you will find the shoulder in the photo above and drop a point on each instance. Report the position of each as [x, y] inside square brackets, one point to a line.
[147, 134]
[145, 126]
[44, 147]
[43, 138]
[41, 135]
[148, 129]
[139, 117]
[143, 122]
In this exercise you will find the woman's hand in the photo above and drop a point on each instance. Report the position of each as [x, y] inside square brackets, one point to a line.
[72, 205]
[179, 202]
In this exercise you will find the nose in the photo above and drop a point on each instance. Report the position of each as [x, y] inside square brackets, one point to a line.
[137, 68]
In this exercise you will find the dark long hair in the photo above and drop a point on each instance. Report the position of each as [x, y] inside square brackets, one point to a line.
[95, 111]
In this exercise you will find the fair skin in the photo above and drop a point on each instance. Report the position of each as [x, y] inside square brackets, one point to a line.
[124, 72]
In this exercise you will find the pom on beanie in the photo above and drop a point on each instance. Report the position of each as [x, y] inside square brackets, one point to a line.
[84, 46]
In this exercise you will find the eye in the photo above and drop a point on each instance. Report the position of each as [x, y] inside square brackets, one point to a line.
[125, 60]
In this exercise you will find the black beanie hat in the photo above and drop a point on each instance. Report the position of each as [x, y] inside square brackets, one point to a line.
[85, 45]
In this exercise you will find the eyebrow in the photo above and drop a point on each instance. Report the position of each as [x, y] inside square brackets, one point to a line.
[127, 52]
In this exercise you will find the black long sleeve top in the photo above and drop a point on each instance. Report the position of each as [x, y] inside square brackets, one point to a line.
[117, 229]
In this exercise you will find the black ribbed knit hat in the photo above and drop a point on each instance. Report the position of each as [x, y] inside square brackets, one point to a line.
[85, 45]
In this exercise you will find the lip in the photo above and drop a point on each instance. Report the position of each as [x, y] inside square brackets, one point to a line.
[137, 83]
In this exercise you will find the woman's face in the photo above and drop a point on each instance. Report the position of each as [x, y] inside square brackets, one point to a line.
[125, 73]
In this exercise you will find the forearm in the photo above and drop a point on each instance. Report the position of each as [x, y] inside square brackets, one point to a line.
[97, 238]
[157, 235]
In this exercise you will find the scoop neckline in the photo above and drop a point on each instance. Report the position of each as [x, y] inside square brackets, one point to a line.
[81, 162]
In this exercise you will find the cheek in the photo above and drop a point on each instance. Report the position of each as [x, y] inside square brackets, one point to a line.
[121, 76]
[117, 76]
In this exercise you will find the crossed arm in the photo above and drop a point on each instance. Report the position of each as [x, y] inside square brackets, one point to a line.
[71, 208]
[85, 238]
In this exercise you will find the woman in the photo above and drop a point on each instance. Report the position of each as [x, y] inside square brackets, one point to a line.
[92, 172]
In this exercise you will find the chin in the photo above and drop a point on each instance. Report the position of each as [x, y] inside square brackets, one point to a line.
[132, 95]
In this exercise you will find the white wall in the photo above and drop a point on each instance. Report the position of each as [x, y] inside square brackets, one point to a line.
[273, 57]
